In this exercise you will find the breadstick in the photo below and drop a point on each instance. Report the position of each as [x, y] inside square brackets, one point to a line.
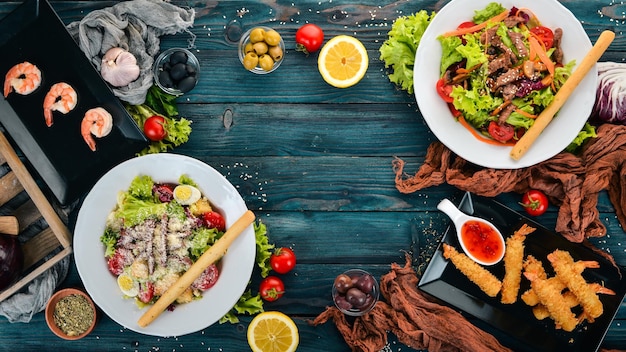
[522, 146]
[213, 254]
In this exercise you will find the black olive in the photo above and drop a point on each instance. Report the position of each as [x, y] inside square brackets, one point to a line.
[191, 70]
[178, 57]
[178, 72]
[166, 81]
[187, 84]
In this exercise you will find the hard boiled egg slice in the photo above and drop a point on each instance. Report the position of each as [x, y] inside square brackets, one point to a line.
[128, 285]
[186, 194]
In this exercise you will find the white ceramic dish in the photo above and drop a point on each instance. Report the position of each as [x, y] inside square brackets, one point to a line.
[101, 285]
[559, 133]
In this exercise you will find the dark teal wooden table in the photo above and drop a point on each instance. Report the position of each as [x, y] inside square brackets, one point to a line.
[312, 161]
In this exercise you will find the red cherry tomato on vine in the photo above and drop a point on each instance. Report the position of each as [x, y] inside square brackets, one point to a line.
[271, 288]
[309, 38]
[444, 90]
[544, 34]
[154, 128]
[501, 132]
[283, 260]
[535, 202]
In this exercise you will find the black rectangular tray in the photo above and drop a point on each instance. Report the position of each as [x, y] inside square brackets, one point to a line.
[516, 321]
[33, 32]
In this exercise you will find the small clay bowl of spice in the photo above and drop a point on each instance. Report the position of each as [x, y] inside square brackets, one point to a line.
[71, 314]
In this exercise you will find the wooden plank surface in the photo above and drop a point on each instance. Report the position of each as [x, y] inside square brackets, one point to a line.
[313, 162]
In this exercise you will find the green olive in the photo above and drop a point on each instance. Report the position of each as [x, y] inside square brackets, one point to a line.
[248, 48]
[260, 48]
[257, 35]
[272, 38]
[250, 61]
[276, 52]
[266, 62]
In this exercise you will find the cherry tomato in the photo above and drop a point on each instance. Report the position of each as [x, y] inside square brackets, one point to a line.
[283, 260]
[444, 90]
[466, 24]
[271, 288]
[207, 279]
[146, 292]
[116, 263]
[535, 202]
[544, 34]
[309, 38]
[455, 112]
[154, 128]
[501, 132]
[214, 219]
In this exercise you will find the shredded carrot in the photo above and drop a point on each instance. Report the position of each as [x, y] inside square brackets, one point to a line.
[541, 54]
[497, 110]
[479, 136]
[525, 114]
[476, 28]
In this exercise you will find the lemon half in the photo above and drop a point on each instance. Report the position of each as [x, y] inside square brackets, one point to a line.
[343, 61]
[273, 332]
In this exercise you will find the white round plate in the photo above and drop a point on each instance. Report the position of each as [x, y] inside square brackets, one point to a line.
[559, 133]
[101, 285]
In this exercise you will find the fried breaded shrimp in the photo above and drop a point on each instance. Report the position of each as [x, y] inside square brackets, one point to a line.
[513, 261]
[563, 265]
[485, 280]
[22, 78]
[531, 264]
[541, 312]
[551, 298]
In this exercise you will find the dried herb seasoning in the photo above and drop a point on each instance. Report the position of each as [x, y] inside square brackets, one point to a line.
[73, 314]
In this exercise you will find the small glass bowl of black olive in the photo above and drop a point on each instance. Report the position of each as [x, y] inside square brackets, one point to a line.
[261, 50]
[355, 292]
[176, 71]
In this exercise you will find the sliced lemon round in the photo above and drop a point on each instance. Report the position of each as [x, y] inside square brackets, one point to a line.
[273, 332]
[343, 61]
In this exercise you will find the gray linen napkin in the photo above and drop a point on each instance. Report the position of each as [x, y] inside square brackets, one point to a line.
[134, 26]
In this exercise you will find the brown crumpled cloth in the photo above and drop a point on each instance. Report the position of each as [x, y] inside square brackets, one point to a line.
[570, 182]
[417, 321]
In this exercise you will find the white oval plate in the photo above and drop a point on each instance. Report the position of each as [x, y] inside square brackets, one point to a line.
[559, 133]
[101, 285]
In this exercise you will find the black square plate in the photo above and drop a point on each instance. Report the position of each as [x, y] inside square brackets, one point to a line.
[442, 280]
[33, 32]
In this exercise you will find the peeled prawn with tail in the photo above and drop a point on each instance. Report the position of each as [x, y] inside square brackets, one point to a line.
[97, 122]
[22, 78]
[62, 98]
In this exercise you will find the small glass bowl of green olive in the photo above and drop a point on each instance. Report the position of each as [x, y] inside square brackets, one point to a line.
[261, 50]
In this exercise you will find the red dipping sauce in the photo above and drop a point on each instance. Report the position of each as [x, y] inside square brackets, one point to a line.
[482, 241]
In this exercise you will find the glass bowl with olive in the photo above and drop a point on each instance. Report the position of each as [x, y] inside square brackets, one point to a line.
[355, 292]
[176, 71]
[261, 50]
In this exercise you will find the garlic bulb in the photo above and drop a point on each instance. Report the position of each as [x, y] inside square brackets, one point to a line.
[119, 67]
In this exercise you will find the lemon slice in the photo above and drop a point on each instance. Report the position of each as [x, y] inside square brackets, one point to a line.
[273, 332]
[343, 61]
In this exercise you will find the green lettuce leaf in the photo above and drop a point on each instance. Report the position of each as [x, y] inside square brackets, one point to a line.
[488, 12]
[247, 304]
[134, 210]
[398, 51]
[263, 248]
[109, 239]
[588, 131]
[201, 239]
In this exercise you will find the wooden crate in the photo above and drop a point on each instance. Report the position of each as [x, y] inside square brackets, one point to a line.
[52, 243]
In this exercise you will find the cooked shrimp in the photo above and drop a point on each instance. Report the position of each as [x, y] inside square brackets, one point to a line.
[533, 265]
[97, 121]
[24, 78]
[565, 269]
[485, 280]
[550, 296]
[513, 260]
[62, 98]
[541, 312]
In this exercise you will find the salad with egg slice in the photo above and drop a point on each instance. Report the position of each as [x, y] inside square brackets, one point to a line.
[155, 233]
